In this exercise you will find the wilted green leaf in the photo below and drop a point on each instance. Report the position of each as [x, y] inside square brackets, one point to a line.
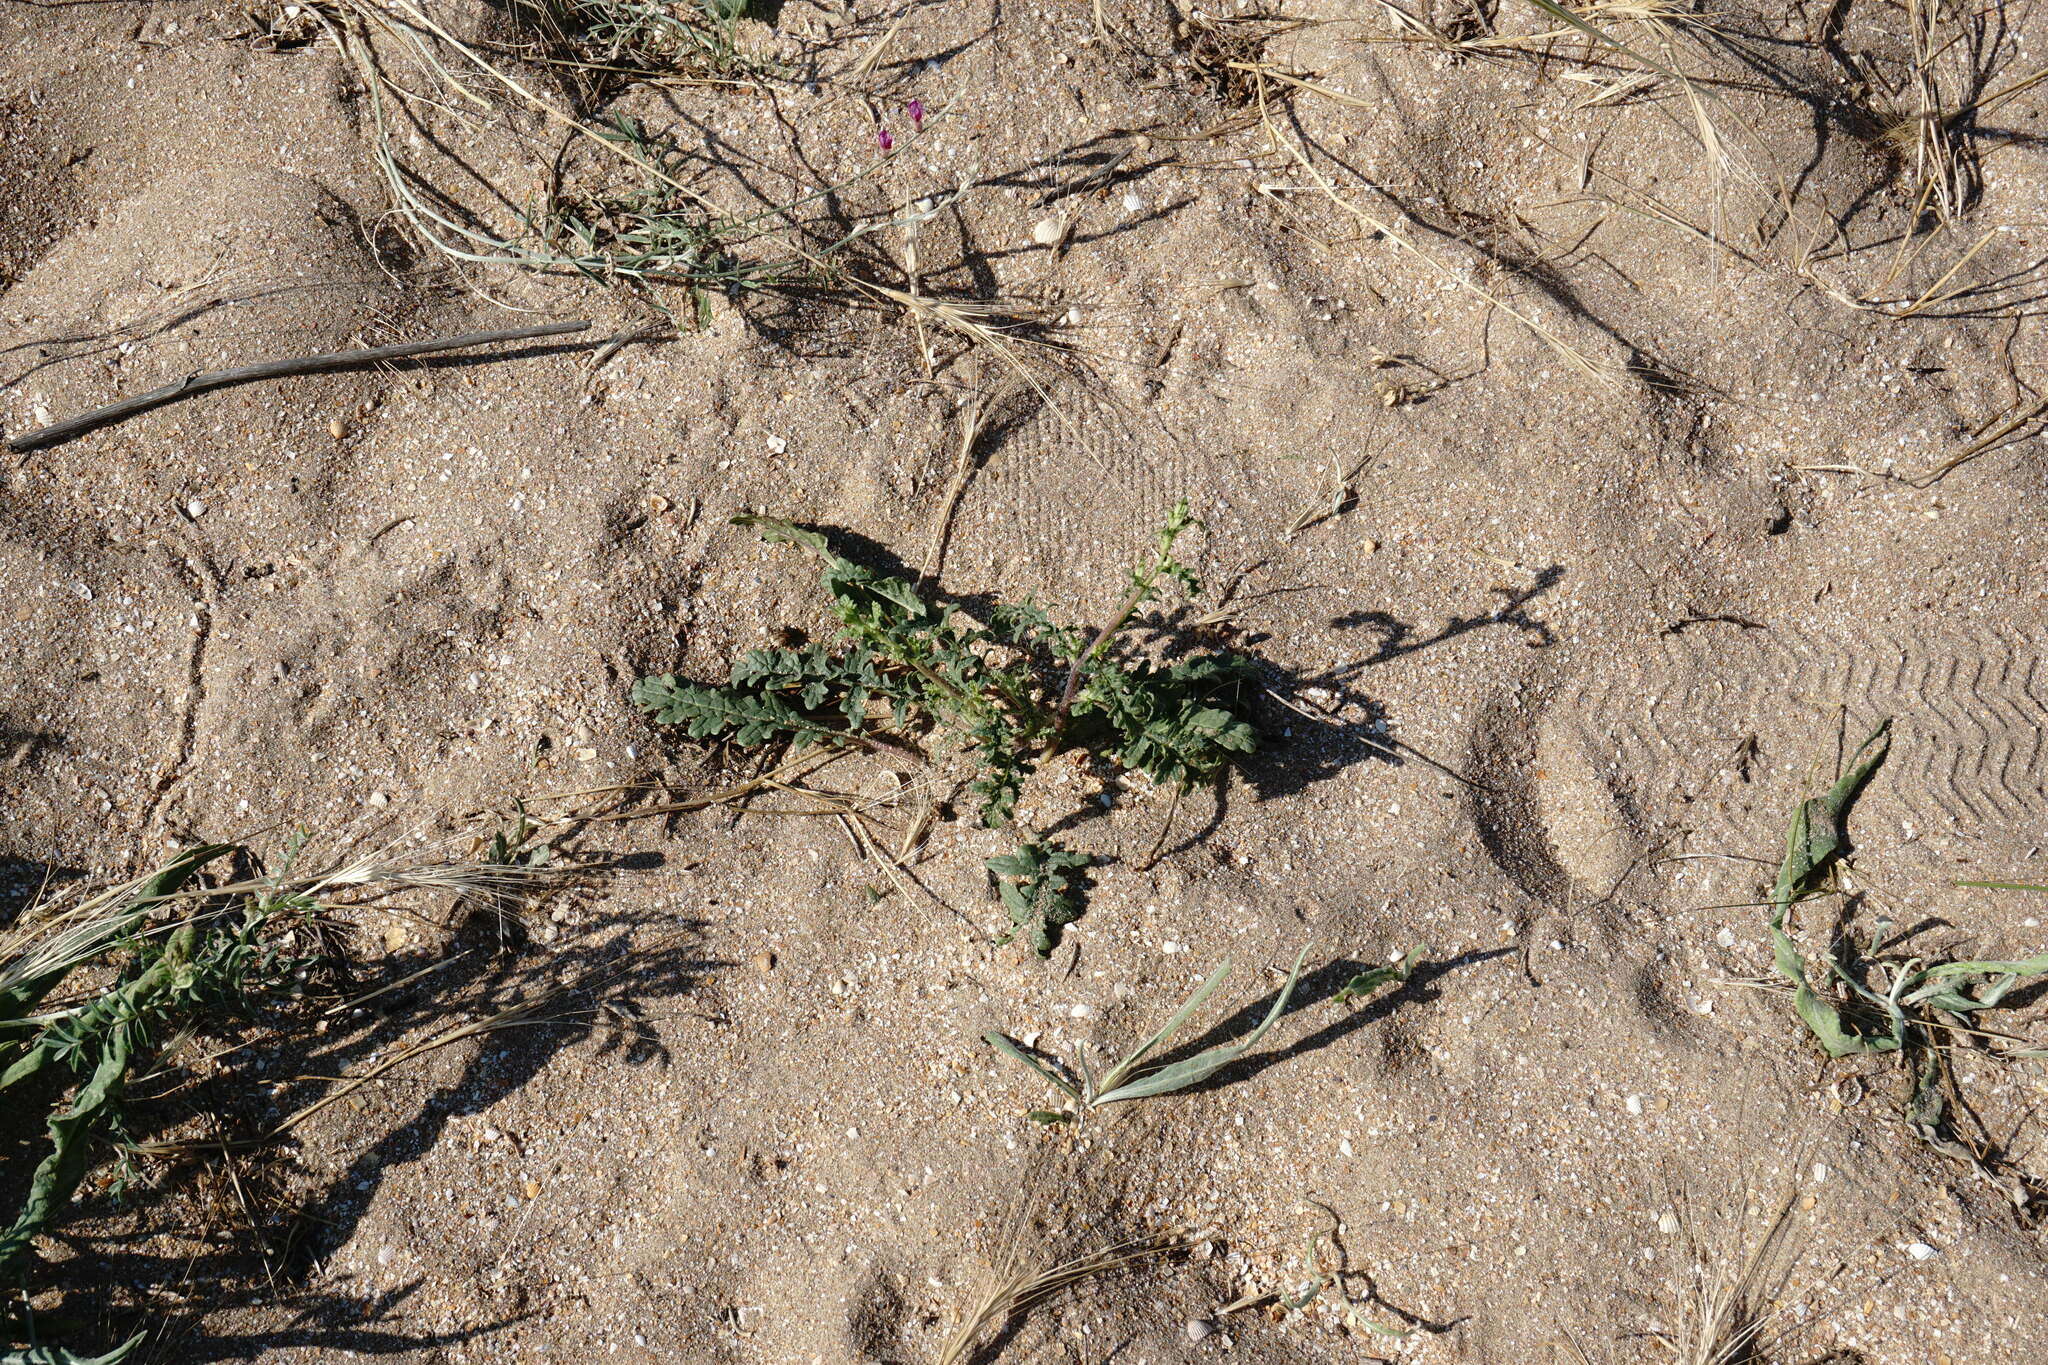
[1042, 886]
[57, 1355]
[1372, 978]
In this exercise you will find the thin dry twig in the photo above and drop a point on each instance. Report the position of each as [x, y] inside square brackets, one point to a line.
[205, 381]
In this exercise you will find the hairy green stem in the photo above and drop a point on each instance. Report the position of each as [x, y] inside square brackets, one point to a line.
[1101, 641]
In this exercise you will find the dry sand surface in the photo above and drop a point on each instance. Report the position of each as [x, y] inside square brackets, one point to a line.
[1563, 420]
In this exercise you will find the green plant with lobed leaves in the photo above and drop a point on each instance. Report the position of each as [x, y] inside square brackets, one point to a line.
[1011, 690]
[1043, 887]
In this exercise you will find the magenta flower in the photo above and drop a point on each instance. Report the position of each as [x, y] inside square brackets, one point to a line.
[916, 111]
[882, 137]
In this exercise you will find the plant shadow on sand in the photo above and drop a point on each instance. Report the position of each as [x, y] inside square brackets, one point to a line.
[1313, 989]
[264, 1239]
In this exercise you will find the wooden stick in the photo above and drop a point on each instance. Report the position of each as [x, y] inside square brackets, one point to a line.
[202, 381]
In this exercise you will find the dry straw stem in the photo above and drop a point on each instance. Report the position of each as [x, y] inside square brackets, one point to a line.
[2009, 428]
[1018, 1288]
[873, 55]
[1730, 1306]
[71, 928]
[1733, 1308]
[973, 419]
[1606, 373]
[411, 23]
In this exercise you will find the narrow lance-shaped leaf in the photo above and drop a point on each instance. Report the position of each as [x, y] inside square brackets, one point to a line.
[1002, 1044]
[1203, 1065]
[57, 1355]
[1216, 978]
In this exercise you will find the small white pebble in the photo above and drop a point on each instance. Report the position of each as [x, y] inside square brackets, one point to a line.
[1634, 1104]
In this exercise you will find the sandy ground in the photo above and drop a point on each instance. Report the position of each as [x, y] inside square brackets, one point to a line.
[1558, 653]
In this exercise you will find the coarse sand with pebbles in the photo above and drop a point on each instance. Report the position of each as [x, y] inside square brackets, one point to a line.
[1599, 421]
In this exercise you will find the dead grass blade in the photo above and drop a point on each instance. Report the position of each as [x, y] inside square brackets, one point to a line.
[1018, 1289]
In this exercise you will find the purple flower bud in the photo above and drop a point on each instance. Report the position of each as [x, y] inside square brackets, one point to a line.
[916, 111]
[882, 137]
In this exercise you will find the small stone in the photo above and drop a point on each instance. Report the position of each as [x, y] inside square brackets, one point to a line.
[776, 445]
[1634, 1104]
[1048, 231]
[1200, 1329]
[584, 755]
[336, 429]
[764, 961]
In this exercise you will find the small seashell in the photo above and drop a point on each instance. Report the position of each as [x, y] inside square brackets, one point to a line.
[1920, 1251]
[1048, 231]
[1667, 1222]
[336, 429]
[764, 961]
[1199, 1329]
